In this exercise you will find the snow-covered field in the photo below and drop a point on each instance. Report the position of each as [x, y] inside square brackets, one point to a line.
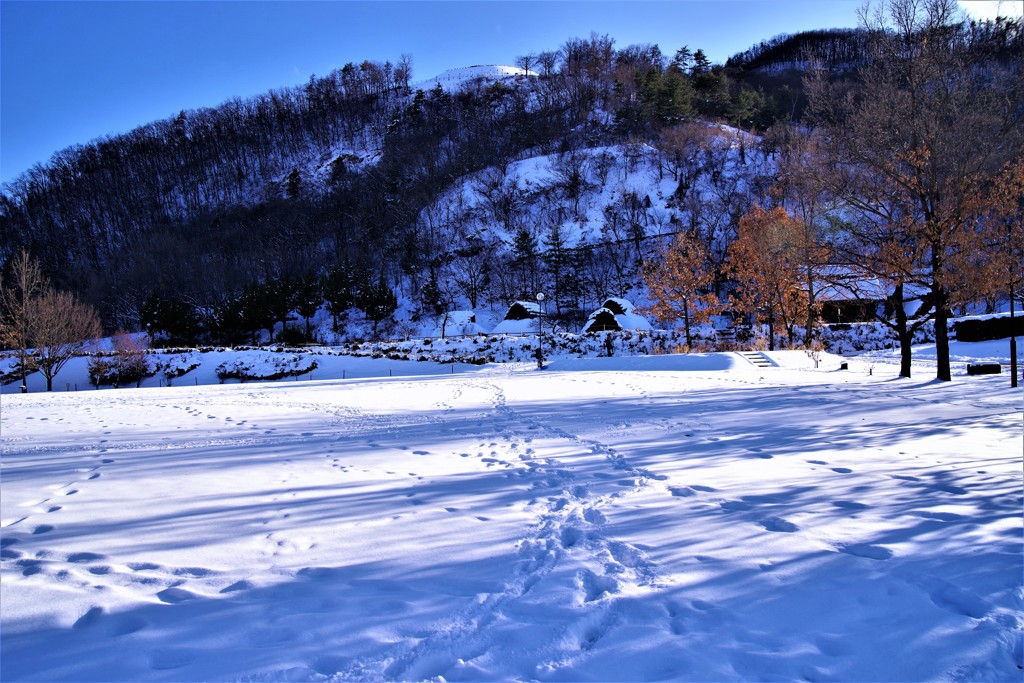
[646, 518]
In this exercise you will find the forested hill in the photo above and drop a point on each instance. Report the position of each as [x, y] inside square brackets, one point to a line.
[358, 173]
[848, 49]
[336, 170]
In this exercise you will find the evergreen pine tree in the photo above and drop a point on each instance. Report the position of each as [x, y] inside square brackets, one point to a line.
[338, 291]
[378, 302]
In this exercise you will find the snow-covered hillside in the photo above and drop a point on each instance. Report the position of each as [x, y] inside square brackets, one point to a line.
[677, 517]
[618, 203]
[454, 79]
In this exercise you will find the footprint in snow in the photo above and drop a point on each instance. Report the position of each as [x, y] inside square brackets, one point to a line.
[956, 599]
[90, 618]
[849, 505]
[142, 566]
[595, 587]
[681, 491]
[193, 572]
[779, 524]
[238, 586]
[175, 595]
[85, 557]
[940, 516]
[873, 552]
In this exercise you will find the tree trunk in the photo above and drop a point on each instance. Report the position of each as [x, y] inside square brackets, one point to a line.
[24, 371]
[809, 324]
[942, 337]
[906, 353]
[686, 322]
[902, 333]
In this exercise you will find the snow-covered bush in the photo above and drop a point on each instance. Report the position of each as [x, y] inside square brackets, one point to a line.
[265, 366]
[177, 364]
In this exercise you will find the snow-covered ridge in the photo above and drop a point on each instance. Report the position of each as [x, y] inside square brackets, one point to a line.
[453, 79]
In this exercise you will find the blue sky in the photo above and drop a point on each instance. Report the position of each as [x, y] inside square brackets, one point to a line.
[74, 71]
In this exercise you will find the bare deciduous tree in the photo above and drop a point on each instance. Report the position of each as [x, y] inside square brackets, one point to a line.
[59, 327]
[24, 282]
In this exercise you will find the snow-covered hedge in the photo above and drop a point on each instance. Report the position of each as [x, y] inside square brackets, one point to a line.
[265, 365]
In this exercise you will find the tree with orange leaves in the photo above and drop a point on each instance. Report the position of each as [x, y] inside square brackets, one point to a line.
[680, 284]
[934, 129]
[1002, 211]
[767, 262]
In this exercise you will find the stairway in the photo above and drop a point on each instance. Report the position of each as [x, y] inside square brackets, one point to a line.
[726, 337]
[757, 359]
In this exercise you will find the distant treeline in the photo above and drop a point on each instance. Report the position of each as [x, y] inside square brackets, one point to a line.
[848, 49]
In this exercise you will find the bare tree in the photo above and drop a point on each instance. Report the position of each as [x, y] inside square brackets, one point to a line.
[548, 61]
[526, 62]
[59, 327]
[25, 282]
[800, 187]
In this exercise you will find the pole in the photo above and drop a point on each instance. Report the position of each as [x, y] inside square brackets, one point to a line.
[540, 331]
[1013, 344]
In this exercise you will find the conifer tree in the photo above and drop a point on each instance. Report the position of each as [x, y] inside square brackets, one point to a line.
[308, 298]
[378, 302]
[338, 291]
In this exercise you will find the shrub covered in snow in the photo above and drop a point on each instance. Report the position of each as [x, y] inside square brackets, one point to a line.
[265, 365]
[176, 364]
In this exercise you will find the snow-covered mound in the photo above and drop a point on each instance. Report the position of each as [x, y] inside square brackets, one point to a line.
[453, 79]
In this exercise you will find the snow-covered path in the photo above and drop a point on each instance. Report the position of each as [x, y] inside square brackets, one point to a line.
[602, 520]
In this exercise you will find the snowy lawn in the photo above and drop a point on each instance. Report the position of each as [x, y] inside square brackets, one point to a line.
[652, 518]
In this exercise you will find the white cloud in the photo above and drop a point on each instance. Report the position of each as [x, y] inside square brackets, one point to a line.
[990, 9]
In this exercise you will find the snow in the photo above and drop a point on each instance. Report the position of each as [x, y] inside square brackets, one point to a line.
[624, 314]
[683, 517]
[454, 79]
